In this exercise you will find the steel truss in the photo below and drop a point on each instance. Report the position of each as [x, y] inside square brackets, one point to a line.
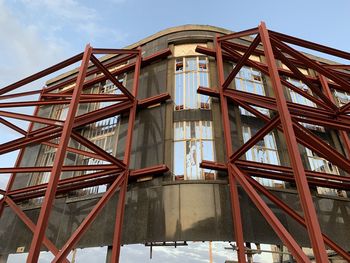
[116, 172]
[274, 46]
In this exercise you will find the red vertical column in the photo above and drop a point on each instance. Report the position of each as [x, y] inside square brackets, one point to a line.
[43, 219]
[235, 207]
[313, 226]
[123, 189]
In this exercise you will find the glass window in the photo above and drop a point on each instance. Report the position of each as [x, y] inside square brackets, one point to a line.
[103, 133]
[299, 99]
[190, 73]
[296, 97]
[250, 80]
[342, 97]
[109, 88]
[319, 164]
[193, 142]
[265, 151]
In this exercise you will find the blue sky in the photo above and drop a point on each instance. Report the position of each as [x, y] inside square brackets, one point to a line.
[38, 33]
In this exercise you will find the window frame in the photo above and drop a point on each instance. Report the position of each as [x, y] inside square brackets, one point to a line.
[198, 101]
[264, 181]
[200, 173]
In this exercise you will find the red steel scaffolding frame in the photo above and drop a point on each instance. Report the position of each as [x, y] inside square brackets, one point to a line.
[272, 45]
[288, 115]
[116, 173]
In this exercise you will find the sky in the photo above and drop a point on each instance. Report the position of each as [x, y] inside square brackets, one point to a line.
[194, 252]
[38, 33]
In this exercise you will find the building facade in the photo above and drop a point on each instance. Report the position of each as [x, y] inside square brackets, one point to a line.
[187, 198]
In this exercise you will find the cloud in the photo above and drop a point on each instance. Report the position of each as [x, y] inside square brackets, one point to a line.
[65, 9]
[24, 48]
[68, 16]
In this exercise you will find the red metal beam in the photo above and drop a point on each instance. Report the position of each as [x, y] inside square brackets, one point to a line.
[77, 151]
[62, 182]
[90, 145]
[26, 117]
[58, 162]
[241, 62]
[129, 67]
[25, 141]
[41, 74]
[312, 223]
[12, 126]
[256, 138]
[302, 77]
[264, 69]
[282, 173]
[26, 220]
[115, 51]
[48, 133]
[234, 57]
[64, 185]
[310, 45]
[270, 217]
[126, 160]
[109, 76]
[68, 188]
[244, 33]
[235, 207]
[310, 63]
[78, 233]
[63, 168]
[58, 102]
[296, 216]
[144, 103]
[343, 134]
[21, 94]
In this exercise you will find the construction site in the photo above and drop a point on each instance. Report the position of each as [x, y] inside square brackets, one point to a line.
[194, 143]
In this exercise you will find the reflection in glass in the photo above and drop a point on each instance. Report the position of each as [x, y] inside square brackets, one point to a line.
[193, 142]
[265, 151]
[250, 80]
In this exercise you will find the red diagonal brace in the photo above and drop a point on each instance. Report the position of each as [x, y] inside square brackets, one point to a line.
[26, 220]
[111, 77]
[256, 138]
[78, 233]
[313, 226]
[270, 217]
[58, 162]
[296, 216]
[241, 62]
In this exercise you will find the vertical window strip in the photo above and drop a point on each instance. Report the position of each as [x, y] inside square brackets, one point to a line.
[264, 151]
[299, 99]
[102, 134]
[319, 164]
[250, 80]
[193, 141]
[190, 73]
